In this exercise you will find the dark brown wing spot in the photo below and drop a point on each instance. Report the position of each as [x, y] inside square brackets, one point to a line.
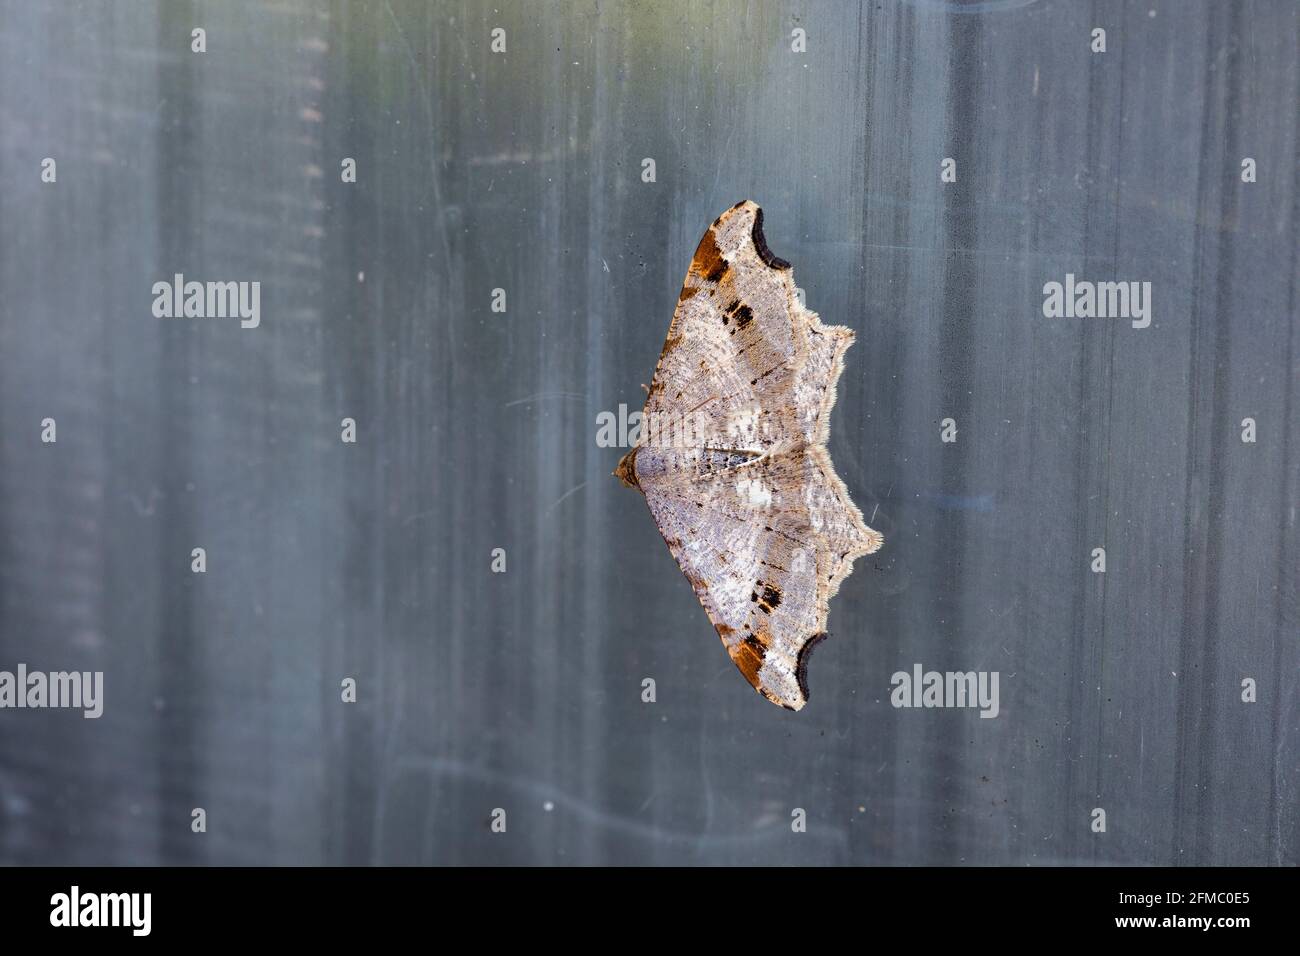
[769, 600]
[748, 656]
[770, 259]
[801, 666]
[708, 261]
[687, 292]
[735, 309]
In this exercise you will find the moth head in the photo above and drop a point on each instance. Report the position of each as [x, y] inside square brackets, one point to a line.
[626, 470]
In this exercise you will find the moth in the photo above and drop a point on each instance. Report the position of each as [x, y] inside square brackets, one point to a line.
[732, 459]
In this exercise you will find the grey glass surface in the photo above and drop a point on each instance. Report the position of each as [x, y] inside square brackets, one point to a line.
[477, 430]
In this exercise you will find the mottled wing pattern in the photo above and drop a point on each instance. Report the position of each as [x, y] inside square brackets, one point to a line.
[815, 382]
[727, 373]
[835, 519]
[748, 548]
[732, 456]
